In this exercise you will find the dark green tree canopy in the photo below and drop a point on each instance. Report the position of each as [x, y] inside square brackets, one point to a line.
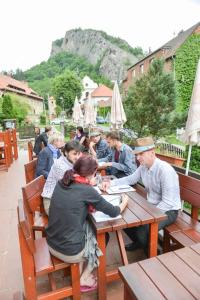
[7, 107]
[150, 101]
[65, 89]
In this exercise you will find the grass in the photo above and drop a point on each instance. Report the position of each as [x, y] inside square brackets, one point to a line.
[171, 139]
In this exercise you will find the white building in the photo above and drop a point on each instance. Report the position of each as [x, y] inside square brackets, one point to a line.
[89, 86]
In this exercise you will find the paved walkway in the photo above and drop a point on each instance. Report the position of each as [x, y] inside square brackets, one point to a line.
[10, 271]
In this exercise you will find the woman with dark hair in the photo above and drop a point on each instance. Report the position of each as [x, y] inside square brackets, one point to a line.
[69, 235]
[71, 152]
[80, 135]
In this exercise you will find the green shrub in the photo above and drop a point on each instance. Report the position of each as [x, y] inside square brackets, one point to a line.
[42, 119]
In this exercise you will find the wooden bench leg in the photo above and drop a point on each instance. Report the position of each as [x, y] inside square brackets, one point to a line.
[122, 247]
[75, 277]
[28, 269]
[166, 242]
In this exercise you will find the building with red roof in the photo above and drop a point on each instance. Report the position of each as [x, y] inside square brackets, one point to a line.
[102, 96]
[9, 85]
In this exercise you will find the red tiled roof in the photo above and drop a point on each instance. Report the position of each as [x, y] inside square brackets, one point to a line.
[102, 91]
[8, 83]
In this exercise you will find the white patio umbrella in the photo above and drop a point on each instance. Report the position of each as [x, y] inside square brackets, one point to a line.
[118, 117]
[77, 115]
[90, 114]
[191, 135]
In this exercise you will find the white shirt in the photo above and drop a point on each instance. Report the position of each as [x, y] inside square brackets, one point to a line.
[58, 169]
[161, 184]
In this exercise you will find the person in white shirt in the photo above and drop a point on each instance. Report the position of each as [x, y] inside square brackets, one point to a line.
[162, 187]
[71, 152]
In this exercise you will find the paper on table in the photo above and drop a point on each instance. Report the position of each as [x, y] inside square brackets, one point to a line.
[120, 189]
[100, 216]
[101, 163]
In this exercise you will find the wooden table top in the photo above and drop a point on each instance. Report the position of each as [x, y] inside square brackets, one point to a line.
[138, 212]
[173, 275]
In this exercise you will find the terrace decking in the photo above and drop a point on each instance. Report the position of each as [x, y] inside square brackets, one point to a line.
[11, 279]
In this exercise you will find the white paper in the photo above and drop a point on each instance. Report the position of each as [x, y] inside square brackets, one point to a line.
[120, 189]
[101, 163]
[100, 216]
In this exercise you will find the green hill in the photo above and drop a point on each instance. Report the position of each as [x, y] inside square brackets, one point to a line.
[40, 76]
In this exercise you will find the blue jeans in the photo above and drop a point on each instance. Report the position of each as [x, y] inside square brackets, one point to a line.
[140, 234]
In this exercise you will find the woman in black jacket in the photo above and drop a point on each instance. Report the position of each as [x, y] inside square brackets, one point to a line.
[68, 230]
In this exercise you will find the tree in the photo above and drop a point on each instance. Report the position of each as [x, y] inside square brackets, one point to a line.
[7, 107]
[20, 110]
[65, 89]
[150, 102]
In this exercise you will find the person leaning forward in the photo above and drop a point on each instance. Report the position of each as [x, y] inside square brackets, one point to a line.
[162, 187]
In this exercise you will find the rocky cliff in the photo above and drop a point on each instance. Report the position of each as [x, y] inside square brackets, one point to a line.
[112, 56]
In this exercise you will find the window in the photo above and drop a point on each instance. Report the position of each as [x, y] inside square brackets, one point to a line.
[142, 69]
[133, 73]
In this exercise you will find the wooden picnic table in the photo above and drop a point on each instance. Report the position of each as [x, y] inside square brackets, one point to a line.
[170, 276]
[138, 212]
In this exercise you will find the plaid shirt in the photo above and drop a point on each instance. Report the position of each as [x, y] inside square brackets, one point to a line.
[56, 173]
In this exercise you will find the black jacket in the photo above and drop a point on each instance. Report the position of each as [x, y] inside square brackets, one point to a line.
[42, 138]
[67, 215]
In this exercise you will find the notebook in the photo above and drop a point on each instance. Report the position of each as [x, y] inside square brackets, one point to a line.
[120, 189]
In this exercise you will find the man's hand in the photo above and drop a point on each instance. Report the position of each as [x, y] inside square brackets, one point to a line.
[105, 185]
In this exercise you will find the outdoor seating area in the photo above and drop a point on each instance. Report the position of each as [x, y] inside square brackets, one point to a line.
[38, 262]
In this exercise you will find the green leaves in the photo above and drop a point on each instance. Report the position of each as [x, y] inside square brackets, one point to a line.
[65, 89]
[149, 102]
[187, 57]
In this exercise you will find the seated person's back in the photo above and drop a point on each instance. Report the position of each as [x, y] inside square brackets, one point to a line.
[42, 140]
[50, 153]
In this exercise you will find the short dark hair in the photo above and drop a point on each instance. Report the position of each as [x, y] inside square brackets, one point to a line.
[85, 166]
[72, 145]
[114, 135]
[80, 129]
[48, 128]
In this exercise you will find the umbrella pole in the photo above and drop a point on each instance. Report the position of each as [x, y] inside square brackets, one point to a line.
[188, 159]
[187, 168]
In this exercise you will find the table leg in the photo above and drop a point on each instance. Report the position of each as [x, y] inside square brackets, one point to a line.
[122, 247]
[102, 267]
[153, 239]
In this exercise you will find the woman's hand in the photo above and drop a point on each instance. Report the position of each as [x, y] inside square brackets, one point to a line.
[105, 185]
[124, 202]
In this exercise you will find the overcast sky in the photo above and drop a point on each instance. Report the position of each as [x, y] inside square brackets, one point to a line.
[27, 27]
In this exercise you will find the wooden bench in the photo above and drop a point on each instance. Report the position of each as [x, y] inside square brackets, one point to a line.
[37, 261]
[34, 203]
[186, 230]
[31, 155]
[30, 170]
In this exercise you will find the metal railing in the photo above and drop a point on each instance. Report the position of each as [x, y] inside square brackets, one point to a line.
[170, 149]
